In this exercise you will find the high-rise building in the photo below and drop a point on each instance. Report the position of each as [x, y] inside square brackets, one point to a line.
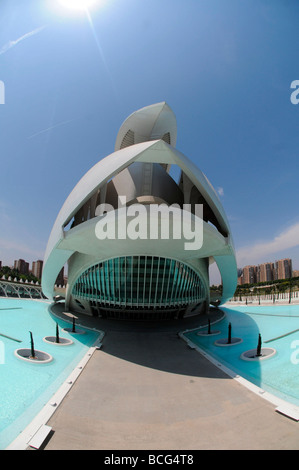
[249, 274]
[265, 272]
[22, 266]
[37, 267]
[283, 268]
[240, 276]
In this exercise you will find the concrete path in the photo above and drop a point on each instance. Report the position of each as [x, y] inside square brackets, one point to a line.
[146, 390]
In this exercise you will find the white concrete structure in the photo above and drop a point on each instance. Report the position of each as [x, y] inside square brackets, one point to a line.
[140, 277]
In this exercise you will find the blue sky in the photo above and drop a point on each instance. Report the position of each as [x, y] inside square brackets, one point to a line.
[225, 67]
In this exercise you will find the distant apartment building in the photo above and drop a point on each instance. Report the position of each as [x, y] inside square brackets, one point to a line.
[295, 273]
[281, 269]
[37, 267]
[22, 266]
[265, 272]
[249, 274]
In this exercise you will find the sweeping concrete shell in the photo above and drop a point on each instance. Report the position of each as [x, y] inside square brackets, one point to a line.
[128, 273]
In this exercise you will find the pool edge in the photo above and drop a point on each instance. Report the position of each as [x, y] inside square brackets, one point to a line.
[21, 442]
[284, 407]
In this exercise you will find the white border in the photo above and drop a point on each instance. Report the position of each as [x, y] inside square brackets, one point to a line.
[245, 355]
[62, 341]
[44, 357]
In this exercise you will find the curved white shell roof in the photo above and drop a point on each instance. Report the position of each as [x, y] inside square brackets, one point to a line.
[60, 245]
[149, 123]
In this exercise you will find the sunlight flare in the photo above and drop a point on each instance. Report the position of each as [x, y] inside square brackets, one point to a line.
[79, 4]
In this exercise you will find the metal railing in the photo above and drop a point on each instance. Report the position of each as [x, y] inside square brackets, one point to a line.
[21, 290]
[271, 297]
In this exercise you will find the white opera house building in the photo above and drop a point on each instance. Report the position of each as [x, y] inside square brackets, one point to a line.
[138, 242]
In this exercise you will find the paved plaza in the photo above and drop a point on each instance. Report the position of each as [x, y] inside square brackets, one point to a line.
[146, 389]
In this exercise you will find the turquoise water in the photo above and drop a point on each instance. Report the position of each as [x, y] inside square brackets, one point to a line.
[279, 374]
[25, 387]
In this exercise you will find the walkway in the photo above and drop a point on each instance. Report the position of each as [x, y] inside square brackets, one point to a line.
[147, 390]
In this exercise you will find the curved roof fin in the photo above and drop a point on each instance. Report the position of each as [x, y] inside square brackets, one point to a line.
[153, 122]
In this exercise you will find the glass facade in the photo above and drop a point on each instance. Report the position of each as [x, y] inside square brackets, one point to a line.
[140, 282]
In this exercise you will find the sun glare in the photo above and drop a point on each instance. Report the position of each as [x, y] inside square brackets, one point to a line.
[78, 4]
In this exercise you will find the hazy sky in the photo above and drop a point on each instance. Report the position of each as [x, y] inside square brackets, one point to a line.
[225, 67]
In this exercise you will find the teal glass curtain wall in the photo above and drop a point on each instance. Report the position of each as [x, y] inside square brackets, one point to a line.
[140, 281]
